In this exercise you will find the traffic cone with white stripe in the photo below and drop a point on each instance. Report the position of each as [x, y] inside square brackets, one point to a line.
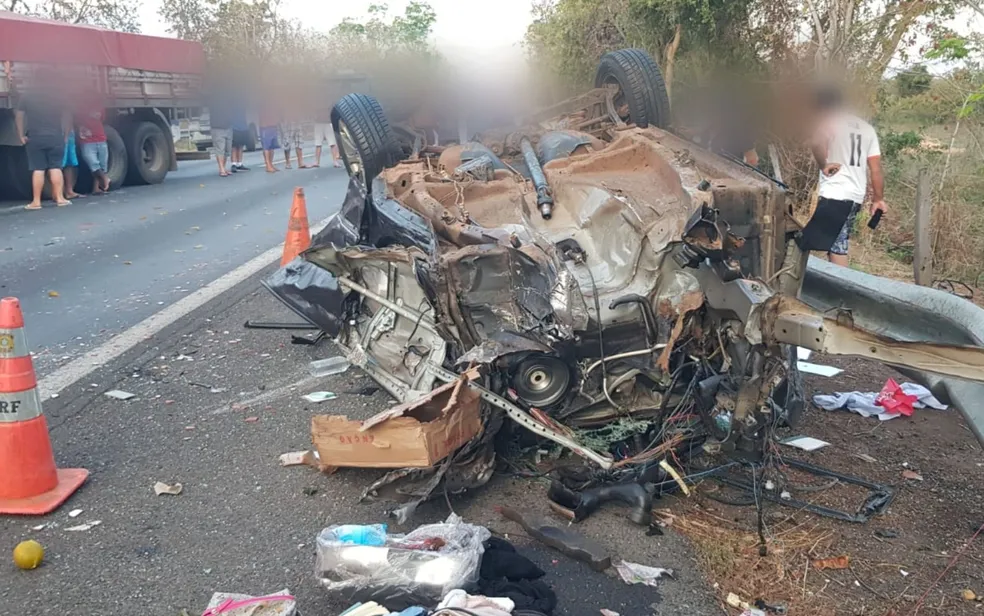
[30, 483]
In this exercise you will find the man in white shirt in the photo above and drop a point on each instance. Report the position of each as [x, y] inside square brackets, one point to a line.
[847, 152]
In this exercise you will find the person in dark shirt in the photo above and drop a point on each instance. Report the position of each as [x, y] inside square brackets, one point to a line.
[43, 123]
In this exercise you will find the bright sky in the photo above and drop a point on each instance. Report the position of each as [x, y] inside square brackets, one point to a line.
[461, 24]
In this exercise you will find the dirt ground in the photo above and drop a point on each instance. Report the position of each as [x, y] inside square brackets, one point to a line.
[895, 559]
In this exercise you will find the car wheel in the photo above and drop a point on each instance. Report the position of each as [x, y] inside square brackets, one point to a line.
[640, 86]
[146, 147]
[118, 164]
[251, 145]
[364, 138]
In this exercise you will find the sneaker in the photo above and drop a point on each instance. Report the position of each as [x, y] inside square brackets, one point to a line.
[243, 167]
[233, 169]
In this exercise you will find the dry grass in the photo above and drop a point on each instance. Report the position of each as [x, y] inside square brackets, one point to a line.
[729, 556]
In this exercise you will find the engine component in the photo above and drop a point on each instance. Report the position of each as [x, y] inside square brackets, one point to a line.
[541, 380]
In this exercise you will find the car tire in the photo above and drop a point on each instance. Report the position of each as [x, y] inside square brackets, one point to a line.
[251, 145]
[365, 140]
[147, 153]
[119, 162]
[641, 84]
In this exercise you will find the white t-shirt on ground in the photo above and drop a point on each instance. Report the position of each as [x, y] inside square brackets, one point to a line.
[850, 143]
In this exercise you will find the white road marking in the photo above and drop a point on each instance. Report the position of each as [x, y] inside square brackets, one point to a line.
[78, 368]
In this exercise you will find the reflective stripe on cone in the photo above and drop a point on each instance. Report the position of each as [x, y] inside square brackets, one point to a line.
[21, 406]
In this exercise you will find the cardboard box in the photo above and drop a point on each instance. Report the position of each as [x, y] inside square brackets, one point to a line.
[416, 434]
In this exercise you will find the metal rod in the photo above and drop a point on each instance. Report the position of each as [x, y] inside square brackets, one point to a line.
[278, 325]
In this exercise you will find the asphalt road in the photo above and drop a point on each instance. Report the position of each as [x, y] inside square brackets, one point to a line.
[87, 271]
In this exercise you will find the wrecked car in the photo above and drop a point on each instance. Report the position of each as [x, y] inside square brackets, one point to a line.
[604, 274]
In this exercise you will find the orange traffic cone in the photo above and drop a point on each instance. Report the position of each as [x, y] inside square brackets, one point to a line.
[298, 234]
[30, 483]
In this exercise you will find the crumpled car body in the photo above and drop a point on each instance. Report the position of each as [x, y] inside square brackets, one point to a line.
[656, 291]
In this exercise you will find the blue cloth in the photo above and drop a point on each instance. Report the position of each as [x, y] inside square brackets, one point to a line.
[70, 158]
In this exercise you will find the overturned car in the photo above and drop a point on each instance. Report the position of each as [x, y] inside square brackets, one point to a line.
[602, 274]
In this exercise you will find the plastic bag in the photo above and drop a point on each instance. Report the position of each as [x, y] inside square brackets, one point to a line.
[418, 568]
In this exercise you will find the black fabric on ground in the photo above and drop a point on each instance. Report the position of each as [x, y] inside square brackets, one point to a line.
[507, 573]
[501, 560]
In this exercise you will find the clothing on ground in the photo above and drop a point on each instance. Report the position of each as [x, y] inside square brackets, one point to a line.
[70, 157]
[863, 403]
[96, 156]
[268, 137]
[43, 113]
[506, 573]
[850, 143]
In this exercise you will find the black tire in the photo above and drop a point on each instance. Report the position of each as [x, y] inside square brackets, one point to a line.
[16, 175]
[251, 144]
[119, 162]
[365, 140]
[147, 153]
[641, 84]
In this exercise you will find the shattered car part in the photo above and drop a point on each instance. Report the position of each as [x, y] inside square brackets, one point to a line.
[662, 288]
[580, 505]
[563, 540]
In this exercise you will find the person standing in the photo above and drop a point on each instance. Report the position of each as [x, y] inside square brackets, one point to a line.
[269, 129]
[95, 148]
[70, 165]
[220, 123]
[241, 136]
[42, 124]
[847, 151]
[324, 133]
[292, 136]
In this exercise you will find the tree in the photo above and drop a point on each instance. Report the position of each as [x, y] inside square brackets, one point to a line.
[913, 81]
[239, 31]
[114, 14]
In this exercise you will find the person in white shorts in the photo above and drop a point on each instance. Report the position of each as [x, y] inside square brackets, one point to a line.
[847, 152]
[324, 133]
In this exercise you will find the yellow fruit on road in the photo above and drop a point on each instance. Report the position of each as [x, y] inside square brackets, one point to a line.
[28, 554]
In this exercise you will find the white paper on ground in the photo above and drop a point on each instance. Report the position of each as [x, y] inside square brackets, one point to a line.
[119, 395]
[805, 366]
[806, 443]
[319, 396]
[802, 353]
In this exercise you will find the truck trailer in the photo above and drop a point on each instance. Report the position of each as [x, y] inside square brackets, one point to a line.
[150, 84]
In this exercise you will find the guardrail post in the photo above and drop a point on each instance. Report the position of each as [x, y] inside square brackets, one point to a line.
[922, 262]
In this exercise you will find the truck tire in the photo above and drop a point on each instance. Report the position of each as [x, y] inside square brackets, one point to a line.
[16, 176]
[251, 144]
[363, 135]
[118, 160]
[640, 84]
[147, 153]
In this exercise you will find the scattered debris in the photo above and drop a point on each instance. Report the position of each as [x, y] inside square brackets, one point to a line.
[74, 513]
[605, 612]
[319, 396]
[84, 527]
[416, 434]
[747, 609]
[968, 595]
[229, 604]
[252, 419]
[806, 443]
[28, 555]
[459, 602]
[309, 491]
[218, 390]
[633, 573]
[818, 369]
[839, 562]
[563, 540]
[864, 457]
[887, 404]
[366, 609]
[577, 506]
[119, 394]
[329, 366]
[904, 572]
[885, 533]
[52, 293]
[162, 488]
[910, 474]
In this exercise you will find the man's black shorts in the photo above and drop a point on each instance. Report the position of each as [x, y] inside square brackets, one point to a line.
[43, 155]
[826, 224]
[240, 138]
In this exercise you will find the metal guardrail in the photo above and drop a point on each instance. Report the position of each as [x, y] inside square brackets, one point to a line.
[906, 312]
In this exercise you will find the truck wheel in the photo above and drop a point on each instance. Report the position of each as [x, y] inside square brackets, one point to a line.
[364, 138]
[118, 162]
[640, 86]
[251, 144]
[13, 168]
[146, 147]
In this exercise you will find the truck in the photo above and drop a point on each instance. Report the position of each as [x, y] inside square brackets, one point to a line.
[151, 84]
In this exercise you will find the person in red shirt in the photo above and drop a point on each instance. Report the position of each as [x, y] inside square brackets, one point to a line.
[92, 135]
